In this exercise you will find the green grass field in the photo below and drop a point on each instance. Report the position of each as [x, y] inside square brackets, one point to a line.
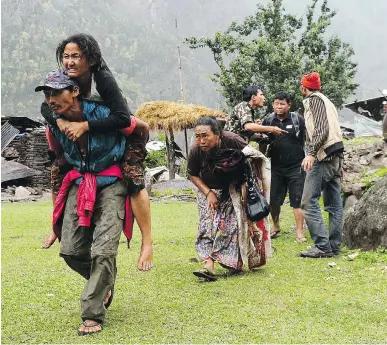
[290, 300]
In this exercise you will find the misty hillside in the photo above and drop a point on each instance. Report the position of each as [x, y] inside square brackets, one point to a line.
[139, 41]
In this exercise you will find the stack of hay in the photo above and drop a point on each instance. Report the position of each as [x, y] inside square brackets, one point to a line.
[163, 114]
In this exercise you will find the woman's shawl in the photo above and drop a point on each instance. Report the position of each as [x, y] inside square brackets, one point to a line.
[254, 237]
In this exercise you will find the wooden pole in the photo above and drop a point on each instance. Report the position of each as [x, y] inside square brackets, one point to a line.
[181, 85]
[170, 152]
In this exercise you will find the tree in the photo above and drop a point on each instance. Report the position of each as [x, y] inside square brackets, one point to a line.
[274, 49]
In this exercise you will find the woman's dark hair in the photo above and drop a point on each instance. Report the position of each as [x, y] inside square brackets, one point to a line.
[209, 121]
[250, 91]
[89, 47]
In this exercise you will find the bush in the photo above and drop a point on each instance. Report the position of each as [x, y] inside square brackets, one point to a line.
[156, 158]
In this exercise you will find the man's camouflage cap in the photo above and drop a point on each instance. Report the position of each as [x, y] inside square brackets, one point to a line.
[58, 80]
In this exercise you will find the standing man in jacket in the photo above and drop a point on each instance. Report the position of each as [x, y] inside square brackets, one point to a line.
[323, 163]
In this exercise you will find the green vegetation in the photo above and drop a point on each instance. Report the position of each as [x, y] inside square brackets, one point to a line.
[290, 300]
[274, 49]
[361, 141]
[171, 192]
[368, 180]
[156, 158]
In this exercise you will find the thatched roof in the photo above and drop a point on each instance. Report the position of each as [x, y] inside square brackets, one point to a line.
[175, 115]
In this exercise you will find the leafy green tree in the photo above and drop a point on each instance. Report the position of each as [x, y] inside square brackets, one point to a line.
[274, 49]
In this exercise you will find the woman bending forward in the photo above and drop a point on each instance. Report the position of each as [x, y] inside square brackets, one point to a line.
[225, 235]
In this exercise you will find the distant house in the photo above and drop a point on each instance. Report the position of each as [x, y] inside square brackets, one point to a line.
[370, 107]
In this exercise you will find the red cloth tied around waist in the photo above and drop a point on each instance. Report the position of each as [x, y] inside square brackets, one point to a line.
[86, 198]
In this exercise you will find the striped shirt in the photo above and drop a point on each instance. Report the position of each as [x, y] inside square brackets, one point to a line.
[321, 126]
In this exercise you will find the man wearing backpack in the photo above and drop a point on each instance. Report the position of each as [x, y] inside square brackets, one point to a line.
[286, 152]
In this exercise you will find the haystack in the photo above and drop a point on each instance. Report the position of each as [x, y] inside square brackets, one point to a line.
[173, 115]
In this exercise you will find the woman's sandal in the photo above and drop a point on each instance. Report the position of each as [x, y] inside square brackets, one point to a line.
[205, 273]
[88, 325]
[275, 233]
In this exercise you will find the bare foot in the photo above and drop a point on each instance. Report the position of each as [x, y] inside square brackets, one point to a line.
[145, 259]
[49, 241]
[300, 237]
[89, 327]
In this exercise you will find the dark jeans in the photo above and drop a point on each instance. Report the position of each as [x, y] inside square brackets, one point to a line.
[92, 252]
[324, 177]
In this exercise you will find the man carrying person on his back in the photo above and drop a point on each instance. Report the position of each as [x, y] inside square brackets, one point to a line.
[287, 153]
[92, 203]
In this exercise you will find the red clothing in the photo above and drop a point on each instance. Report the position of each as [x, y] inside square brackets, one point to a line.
[86, 199]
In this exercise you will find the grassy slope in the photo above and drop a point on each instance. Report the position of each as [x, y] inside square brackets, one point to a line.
[291, 300]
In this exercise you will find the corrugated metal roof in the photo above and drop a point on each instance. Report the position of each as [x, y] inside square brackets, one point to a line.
[8, 133]
[12, 170]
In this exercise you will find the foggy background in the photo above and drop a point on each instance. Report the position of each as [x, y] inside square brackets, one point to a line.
[138, 39]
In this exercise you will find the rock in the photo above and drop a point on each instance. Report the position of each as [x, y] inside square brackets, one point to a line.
[350, 202]
[346, 188]
[33, 191]
[378, 146]
[357, 189]
[364, 161]
[378, 160]
[11, 189]
[351, 257]
[21, 193]
[363, 151]
[365, 225]
[152, 175]
[164, 176]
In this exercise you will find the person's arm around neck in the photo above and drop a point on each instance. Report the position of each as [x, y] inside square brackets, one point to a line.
[111, 94]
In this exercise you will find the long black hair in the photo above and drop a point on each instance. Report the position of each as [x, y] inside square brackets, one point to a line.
[89, 47]
[211, 122]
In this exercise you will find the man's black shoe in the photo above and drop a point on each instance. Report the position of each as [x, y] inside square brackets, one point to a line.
[315, 253]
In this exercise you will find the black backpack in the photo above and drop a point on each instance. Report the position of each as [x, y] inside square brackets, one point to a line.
[295, 121]
[296, 124]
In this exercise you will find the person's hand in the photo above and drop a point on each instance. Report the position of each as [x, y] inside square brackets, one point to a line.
[144, 262]
[258, 122]
[212, 201]
[307, 163]
[278, 131]
[62, 123]
[75, 129]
